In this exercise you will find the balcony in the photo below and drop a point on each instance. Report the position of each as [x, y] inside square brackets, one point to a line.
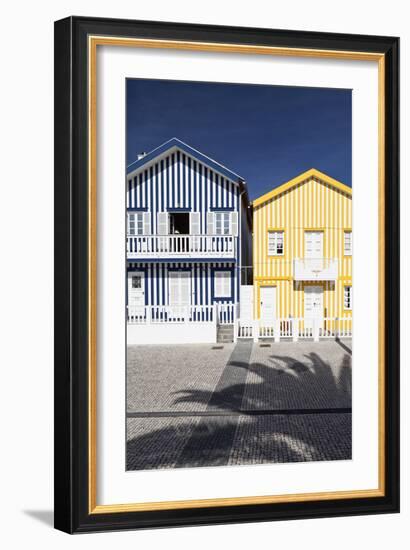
[315, 269]
[167, 247]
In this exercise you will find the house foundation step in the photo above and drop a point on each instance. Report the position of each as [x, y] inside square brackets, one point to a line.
[224, 333]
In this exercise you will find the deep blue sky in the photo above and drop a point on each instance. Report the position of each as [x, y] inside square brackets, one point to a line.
[266, 134]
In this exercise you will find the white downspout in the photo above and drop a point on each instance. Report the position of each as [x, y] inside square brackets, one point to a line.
[239, 275]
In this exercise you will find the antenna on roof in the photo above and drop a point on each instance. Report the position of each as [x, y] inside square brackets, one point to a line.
[141, 155]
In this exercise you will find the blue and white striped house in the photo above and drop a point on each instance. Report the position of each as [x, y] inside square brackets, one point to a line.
[188, 245]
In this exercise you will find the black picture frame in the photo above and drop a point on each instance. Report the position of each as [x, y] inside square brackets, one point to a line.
[72, 276]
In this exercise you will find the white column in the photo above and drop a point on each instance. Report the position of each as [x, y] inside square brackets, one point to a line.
[277, 330]
[214, 321]
[295, 330]
[235, 323]
[255, 330]
[315, 329]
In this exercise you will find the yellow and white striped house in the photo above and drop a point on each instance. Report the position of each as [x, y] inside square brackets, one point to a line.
[302, 244]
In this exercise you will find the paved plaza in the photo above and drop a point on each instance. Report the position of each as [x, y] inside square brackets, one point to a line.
[232, 404]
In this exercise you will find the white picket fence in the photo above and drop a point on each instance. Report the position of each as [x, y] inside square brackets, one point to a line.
[290, 328]
[336, 327]
[295, 328]
[171, 314]
[226, 313]
[222, 314]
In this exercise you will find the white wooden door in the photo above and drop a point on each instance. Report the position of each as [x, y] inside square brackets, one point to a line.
[246, 303]
[179, 292]
[268, 304]
[313, 305]
[136, 292]
[313, 244]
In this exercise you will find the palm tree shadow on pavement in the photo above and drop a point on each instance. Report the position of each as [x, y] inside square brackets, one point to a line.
[280, 410]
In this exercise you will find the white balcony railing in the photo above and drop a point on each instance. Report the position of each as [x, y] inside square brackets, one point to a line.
[173, 246]
[315, 269]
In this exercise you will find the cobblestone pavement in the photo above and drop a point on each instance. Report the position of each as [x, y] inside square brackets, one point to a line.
[161, 378]
[305, 375]
[194, 405]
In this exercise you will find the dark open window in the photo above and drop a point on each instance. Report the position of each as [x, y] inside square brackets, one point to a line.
[179, 223]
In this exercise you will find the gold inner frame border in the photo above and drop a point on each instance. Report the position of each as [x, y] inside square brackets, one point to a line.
[93, 43]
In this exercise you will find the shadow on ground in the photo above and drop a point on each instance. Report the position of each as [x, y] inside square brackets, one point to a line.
[43, 516]
[258, 420]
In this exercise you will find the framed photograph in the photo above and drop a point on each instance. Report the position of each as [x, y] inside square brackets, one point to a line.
[226, 274]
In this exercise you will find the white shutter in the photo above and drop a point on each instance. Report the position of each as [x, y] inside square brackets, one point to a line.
[218, 284]
[162, 222]
[146, 222]
[226, 283]
[210, 220]
[194, 220]
[234, 224]
[308, 245]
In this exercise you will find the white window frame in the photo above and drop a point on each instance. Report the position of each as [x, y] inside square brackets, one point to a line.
[224, 218]
[347, 297]
[226, 277]
[348, 249]
[138, 223]
[274, 234]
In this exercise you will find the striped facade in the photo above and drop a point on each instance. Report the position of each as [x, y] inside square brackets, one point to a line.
[157, 277]
[176, 179]
[312, 203]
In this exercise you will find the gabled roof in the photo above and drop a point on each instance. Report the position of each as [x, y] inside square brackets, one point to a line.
[312, 173]
[175, 143]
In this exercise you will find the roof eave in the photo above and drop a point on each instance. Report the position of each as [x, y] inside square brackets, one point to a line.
[177, 143]
[313, 172]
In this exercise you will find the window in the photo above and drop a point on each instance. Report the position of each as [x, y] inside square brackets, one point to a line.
[179, 223]
[275, 243]
[222, 284]
[136, 281]
[348, 297]
[135, 223]
[348, 243]
[222, 223]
